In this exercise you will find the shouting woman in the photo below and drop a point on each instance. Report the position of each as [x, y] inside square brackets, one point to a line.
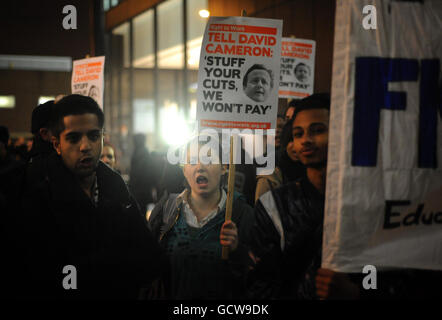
[191, 228]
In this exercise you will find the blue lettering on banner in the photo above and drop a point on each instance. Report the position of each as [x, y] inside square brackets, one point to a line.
[372, 95]
[427, 157]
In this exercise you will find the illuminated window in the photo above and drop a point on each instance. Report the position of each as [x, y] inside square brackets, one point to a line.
[106, 5]
[7, 101]
[159, 85]
[144, 51]
[144, 119]
[175, 130]
[170, 35]
[121, 36]
[195, 31]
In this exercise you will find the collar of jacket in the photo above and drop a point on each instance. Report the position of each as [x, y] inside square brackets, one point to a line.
[65, 188]
[171, 210]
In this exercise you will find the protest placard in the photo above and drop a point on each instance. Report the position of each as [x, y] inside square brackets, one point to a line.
[297, 73]
[87, 78]
[384, 178]
[237, 88]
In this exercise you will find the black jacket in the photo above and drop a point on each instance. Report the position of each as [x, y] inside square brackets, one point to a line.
[110, 245]
[288, 273]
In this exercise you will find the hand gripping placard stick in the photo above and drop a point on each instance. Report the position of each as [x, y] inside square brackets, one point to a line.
[230, 191]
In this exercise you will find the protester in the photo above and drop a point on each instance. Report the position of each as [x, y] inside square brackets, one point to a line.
[82, 215]
[7, 164]
[191, 227]
[41, 124]
[7, 161]
[287, 237]
[141, 172]
[167, 178]
[42, 130]
[288, 167]
[108, 155]
[19, 150]
[11, 169]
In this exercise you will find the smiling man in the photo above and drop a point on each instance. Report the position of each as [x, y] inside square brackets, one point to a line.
[258, 82]
[287, 236]
[82, 215]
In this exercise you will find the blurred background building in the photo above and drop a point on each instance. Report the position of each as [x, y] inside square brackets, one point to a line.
[152, 54]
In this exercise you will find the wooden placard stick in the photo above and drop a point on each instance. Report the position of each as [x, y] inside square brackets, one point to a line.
[230, 191]
[231, 182]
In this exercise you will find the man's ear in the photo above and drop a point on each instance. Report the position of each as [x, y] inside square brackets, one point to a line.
[44, 134]
[56, 144]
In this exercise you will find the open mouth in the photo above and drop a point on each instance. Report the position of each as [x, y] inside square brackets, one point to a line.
[86, 161]
[202, 181]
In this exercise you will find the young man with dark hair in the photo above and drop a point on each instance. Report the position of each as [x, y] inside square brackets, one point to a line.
[82, 216]
[287, 237]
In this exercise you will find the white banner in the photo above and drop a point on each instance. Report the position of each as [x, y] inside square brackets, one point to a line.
[297, 75]
[384, 175]
[88, 79]
[238, 73]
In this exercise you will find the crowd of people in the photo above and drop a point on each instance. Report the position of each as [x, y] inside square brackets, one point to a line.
[65, 204]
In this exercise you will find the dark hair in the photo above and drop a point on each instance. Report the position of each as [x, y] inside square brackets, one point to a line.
[42, 117]
[315, 101]
[257, 67]
[286, 134]
[293, 103]
[75, 104]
